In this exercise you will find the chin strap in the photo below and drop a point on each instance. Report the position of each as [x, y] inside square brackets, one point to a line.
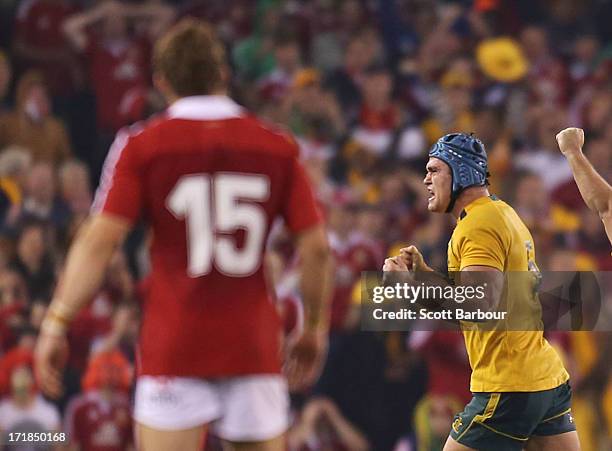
[453, 199]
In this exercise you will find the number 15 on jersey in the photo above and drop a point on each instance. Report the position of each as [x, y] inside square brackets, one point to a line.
[217, 205]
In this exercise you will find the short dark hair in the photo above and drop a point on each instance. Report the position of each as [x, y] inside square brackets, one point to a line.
[191, 58]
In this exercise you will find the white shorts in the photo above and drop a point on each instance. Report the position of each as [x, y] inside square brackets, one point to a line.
[245, 408]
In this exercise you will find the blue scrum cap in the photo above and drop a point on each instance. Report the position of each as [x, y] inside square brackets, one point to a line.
[467, 159]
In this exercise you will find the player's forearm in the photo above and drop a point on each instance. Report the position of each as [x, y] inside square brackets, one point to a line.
[84, 271]
[316, 287]
[595, 191]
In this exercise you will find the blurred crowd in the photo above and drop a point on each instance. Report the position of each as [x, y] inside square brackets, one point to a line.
[366, 87]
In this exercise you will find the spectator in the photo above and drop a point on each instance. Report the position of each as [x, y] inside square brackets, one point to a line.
[533, 210]
[75, 187]
[39, 44]
[232, 19]
[380, 126]
[117, 59]
[354, 252]
[40, 200]
[548, 79]
[31, 125]
[273, 86]
[311, 113]
[584, 52]
[26, 411]
[253, 57]
[14, 164]
[597, 114]
[544, 153]
[14, 301]
[100, 417]
[592, 239]
[447, 364]
[346, 80]
[322, 427]
[33, 262]
[19, 356]
[379, 116]
[452, 103]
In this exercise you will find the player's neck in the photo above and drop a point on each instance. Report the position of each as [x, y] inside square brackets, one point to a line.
[468, 196]
[171, 97]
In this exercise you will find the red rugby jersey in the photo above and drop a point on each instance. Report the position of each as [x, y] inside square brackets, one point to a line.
[209, 179]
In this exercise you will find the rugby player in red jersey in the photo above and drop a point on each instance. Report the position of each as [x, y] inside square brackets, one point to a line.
[209, 179]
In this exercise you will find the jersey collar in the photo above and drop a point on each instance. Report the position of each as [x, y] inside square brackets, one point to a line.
[205, 108]
[475, 203]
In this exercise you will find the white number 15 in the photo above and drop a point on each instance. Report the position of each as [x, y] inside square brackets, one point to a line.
[221, 204]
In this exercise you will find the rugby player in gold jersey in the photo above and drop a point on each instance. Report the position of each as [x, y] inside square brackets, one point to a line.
[521, 393]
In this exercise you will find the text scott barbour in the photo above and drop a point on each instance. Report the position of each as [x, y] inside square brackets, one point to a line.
[404, 292]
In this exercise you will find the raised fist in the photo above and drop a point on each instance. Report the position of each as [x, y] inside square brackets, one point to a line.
[570, 140]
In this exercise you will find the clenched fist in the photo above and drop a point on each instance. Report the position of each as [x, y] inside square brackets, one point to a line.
[570, 141]
[413, 259]
[395, 264]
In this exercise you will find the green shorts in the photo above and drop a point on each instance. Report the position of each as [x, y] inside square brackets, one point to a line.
[505, 421]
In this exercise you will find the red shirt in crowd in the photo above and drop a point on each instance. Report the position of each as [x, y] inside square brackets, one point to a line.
[447, 362]
[99, 423]
[119, 72]
[93, 322]
[353, 256]
[209, 180]
[386, 119]
[15, 358]
[39, 26]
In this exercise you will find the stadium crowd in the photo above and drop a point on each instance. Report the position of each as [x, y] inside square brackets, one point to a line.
[366, 87]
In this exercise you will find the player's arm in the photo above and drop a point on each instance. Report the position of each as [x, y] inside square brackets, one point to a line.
[410, 268]
[489, 280]
[87, 262]
[307, 352]
[116, 208]
[316, 276]
[85, 268]
[595, 191]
